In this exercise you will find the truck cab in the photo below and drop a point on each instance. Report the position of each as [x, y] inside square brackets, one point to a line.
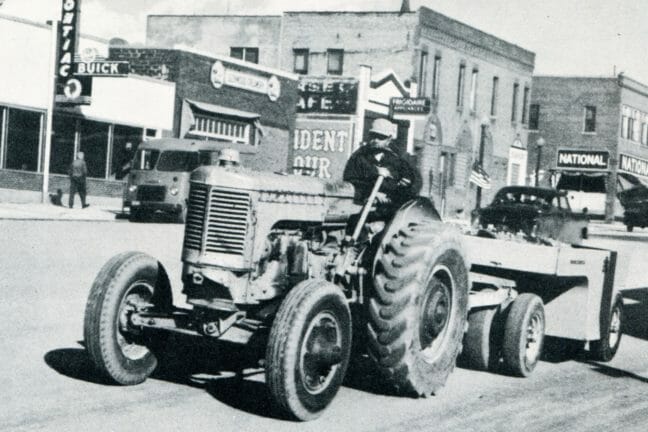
[158, 181]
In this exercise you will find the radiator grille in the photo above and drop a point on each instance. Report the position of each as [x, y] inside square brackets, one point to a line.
[217, 220]
[227, 221]
[151, 193]
[195, 216]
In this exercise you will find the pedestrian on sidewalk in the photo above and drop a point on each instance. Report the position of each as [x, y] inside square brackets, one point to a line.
[78, 172]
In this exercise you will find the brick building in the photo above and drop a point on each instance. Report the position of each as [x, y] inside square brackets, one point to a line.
[595, 134]
[249, 106]
[479, 85]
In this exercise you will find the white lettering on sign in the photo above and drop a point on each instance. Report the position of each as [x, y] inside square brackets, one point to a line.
[314, 166]
[321, 140]
[220, 75]
[634, 165]
[582, 159]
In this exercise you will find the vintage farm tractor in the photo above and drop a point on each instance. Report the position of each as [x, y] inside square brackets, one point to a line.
[266, 259]
[266, 255]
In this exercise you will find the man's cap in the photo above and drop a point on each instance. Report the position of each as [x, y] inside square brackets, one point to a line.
[229, 155]
[383, 127]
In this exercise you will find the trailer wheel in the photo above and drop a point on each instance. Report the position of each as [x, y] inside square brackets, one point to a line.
[482, 343]
[605, 349]
[418, 307]
[523, 335]
[127, 283]
[308, 349]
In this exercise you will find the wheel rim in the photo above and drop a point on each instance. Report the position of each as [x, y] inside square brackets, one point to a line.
[435, 316]
[533, 338]
[321, 352]
[615, 327]
[136, 298]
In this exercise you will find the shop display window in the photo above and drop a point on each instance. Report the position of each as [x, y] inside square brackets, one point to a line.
[93, 142]
[125, 142]
[63, 137]
[23, 139]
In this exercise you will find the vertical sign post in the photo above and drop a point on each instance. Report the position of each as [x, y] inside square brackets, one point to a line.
[51, 89]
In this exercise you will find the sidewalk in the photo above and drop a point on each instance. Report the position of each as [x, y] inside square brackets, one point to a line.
[27, 205]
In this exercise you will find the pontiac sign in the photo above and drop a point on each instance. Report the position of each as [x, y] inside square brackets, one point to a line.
[583, 159]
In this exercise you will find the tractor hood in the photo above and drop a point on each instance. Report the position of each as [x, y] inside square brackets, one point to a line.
[245, 179]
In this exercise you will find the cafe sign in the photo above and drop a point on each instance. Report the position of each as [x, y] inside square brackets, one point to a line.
[221, 75]
[329, 95]
[583, 159]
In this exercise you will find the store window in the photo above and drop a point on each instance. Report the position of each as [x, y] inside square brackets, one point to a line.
[525, 103]
[590, 119]
[222, 129]
[626, 123]
[636, 125]
[422, 78]
[63, 138]
[534, 116]
[125, 142]
[436, 75]
[23, 139]
[473, 90]
[93, 142]
[644, 131]
[335, 61]
[300, 64]
[493, 108]
[514, 102]
[249, 54]
[460, 85]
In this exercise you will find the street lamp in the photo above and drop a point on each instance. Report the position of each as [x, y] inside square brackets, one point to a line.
[485, 121]
[540, 143]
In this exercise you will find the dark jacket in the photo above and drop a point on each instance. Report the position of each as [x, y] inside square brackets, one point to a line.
[78, 169]
[361, 171]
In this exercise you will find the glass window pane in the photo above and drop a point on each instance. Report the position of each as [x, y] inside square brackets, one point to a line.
[236, 53]
[125, 142]
[23, 139]
[62, 151]
[94, 145]
[252, 55]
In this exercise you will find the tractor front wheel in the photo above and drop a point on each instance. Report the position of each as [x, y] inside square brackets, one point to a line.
[128, 283]
[308, 349]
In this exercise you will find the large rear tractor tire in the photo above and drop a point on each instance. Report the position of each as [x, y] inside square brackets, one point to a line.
[605, 349]
[523, 335]
[308, 349]
[418, 307]
[129, 282]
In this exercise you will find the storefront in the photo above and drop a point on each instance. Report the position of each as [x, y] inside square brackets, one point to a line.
[122, 112]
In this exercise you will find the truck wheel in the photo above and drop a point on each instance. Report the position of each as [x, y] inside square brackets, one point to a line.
[137, 215]
[481, 343]
[605, 349]
[523, 335]
[308, 349]
[128, 282]
[418, 307]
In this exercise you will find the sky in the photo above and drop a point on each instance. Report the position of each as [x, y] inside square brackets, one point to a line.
[569, 37]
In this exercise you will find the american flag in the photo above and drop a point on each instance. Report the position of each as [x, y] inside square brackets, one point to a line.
[479, 176]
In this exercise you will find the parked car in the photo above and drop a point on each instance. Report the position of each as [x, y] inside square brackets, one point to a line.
[540, 213]
[635, 204]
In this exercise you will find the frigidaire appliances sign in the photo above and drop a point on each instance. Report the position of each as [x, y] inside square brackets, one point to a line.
[583, 159]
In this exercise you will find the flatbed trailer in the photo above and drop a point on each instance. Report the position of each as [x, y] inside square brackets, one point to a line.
[572, 289]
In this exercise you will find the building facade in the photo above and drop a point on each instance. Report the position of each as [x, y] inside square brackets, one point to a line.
[123, 110]
[479, 85]
[595, 134]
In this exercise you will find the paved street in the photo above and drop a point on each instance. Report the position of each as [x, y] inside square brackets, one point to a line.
[47, 267]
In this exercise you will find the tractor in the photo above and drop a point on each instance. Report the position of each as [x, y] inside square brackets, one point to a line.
[268, 256]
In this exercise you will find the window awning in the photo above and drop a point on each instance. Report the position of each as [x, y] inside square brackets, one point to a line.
[189, 106]
[219, 109]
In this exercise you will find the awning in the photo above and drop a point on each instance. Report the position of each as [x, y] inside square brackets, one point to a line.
[189, 106]
[219, 109]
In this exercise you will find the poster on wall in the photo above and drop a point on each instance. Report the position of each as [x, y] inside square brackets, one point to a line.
[321, 148]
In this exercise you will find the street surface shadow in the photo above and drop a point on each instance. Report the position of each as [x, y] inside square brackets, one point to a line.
[75, 363]
[615, 372]
[361, 375]
[559, 350]
[635, 323]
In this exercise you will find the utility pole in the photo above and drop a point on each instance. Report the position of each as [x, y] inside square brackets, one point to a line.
[51, 91]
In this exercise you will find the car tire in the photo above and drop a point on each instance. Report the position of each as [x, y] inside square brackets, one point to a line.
[523, 335]
[629, 228]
